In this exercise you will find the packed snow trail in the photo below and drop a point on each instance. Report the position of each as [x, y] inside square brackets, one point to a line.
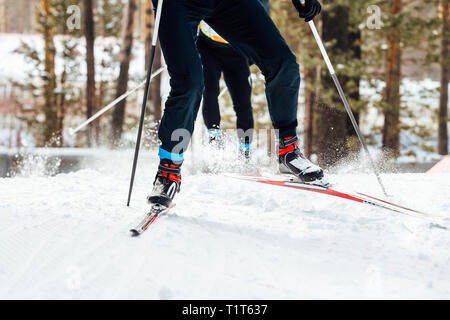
[67, 237]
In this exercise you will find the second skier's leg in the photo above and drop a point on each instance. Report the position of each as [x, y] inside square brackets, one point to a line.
[248, 27]
[237, 77]
[211, 73]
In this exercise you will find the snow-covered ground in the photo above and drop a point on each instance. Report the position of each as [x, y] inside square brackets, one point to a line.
[67, 236]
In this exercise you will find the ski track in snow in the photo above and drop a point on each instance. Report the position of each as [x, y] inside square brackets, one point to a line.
[66, 237]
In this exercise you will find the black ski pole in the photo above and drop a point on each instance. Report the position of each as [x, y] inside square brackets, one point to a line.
[144, 103]
[344, 99]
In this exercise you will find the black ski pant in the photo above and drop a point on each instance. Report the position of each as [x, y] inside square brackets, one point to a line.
[218, 59]
[246, 25]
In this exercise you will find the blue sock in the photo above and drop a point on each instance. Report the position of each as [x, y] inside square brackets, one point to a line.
[244, 146]
[175, 157]
[213, 133]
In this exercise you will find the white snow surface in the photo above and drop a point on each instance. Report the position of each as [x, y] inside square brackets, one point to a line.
[66, 237]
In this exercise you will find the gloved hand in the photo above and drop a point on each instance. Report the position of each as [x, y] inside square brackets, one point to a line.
[309, 10]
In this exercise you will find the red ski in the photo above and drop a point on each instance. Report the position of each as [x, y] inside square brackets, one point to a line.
[356, 197]
[156, 211]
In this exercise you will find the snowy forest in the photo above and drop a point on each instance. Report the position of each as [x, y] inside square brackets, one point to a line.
[63, 60]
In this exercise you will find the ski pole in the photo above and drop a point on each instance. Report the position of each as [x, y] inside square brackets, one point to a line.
[344, 99]
[144, 103]
[114, 103]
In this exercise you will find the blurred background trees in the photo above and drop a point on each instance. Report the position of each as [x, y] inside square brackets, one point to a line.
[392, 57]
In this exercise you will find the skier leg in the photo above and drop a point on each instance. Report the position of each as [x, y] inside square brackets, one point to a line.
[177, 34]
[211, 74]
[237, 77]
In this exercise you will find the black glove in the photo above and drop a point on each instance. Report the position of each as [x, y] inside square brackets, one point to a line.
[308, 11]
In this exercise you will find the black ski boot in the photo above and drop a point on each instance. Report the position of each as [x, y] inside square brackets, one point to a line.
[167, 183]
[292, 161]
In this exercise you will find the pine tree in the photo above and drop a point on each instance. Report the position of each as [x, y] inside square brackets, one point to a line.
[109, 14]
[334, 136]
[122, 82]
[3, 16]
[90, 63]
[331, 119]
[62, 89]
[407, 25]
[445, 78]
[50, 110]
[155, 90]
[391, 129]
[108, 23]
[66, 93]
[326, 128]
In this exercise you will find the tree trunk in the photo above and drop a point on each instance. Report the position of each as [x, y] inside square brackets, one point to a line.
[155, 91]
[102, 90]
[50, 108]
[353, 143]
[2, 16]
[310, 100]
[148, 32]
[62, 106]
[391, 129]
[445, 78]
[331, 118]
[90, 64]
[122, 82]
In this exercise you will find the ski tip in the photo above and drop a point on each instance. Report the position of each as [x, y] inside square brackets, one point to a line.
[134, 233]
[437, 226]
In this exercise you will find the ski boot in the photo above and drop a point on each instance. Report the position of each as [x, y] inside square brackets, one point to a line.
[166, 185]
[215, 138]
[244, 152]
[292, 161]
